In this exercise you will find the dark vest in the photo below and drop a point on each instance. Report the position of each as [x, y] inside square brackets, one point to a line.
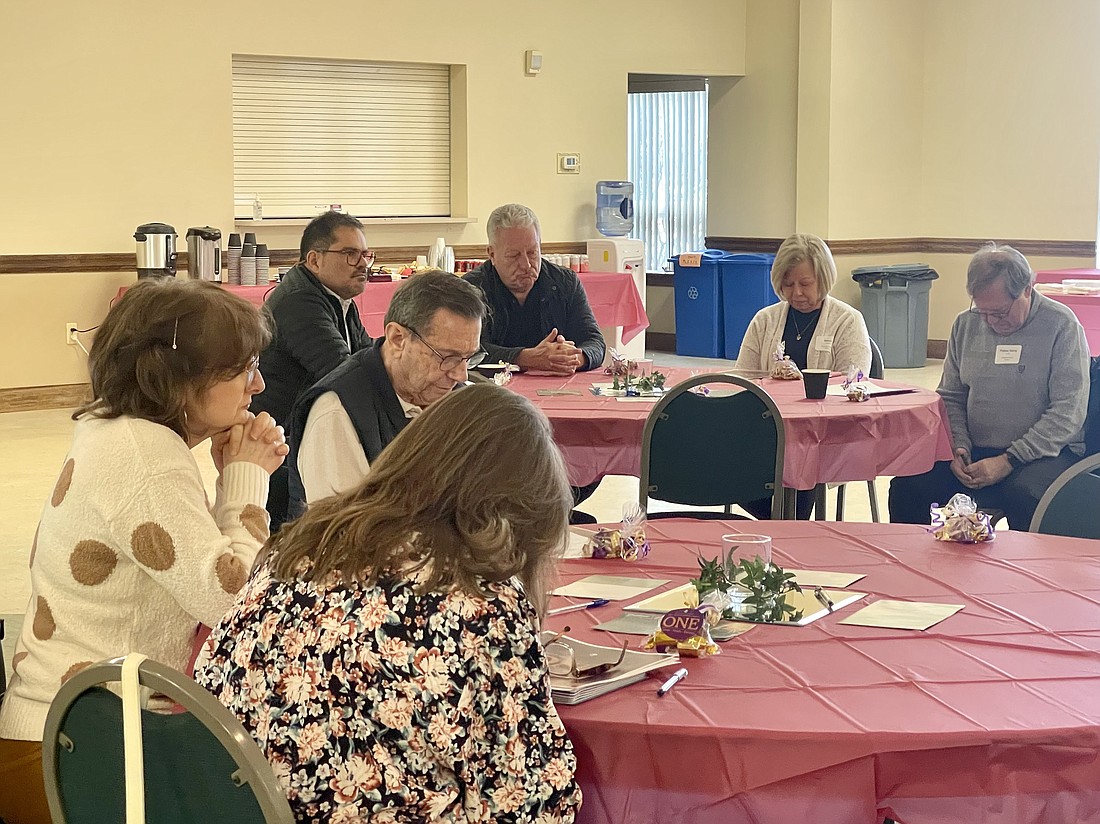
[366, 393]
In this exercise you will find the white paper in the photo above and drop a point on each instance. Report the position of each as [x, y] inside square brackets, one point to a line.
[839, 390]
[611, 587]
[902, 614]
[821, 578]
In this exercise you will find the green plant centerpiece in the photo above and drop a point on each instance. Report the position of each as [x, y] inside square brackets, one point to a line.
[765, 586]
[653, 382]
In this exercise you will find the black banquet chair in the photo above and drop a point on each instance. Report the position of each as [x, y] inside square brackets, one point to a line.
[1069, 506]
[716, 449]
[198, 765]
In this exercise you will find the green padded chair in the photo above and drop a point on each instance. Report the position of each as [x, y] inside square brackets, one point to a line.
[719, 449]
[1068, 507]
[200, 765]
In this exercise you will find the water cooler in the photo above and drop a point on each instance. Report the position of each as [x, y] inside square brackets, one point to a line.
[627, 255]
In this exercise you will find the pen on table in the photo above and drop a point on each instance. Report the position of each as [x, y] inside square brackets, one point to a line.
[825, 600]
[676, 678]
[599, 602]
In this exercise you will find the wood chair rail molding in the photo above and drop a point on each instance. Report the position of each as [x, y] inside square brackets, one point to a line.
[903, 245]
[127, 261]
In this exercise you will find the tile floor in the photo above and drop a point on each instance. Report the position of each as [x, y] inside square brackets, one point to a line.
[33, 446]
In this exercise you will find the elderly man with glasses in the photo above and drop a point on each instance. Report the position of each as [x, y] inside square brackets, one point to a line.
[345, 420]
[1016, 387]
[315, 324]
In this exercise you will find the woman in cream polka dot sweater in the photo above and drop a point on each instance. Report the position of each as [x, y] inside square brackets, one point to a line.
[129, 555]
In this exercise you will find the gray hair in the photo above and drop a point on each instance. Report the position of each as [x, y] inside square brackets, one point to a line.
[992, 262]
[416, 301]
[509, 216]
[800, 248]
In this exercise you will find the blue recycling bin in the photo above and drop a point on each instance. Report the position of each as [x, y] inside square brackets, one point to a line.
[746, 289]
[698, 289]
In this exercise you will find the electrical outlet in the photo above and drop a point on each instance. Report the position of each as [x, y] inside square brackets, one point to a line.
[70, 334]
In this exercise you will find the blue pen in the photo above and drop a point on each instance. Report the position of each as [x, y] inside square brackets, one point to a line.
[599, 602]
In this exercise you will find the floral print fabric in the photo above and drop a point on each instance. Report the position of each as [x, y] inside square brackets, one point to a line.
[377, 704]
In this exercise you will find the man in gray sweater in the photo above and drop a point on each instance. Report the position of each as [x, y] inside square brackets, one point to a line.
[1016, 387]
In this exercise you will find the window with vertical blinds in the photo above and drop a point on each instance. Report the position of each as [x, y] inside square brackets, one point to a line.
[372, 137]
[667, 162]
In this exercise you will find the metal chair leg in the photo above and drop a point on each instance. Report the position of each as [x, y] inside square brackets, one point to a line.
[819, 502]
[872, 495]
[840, 501]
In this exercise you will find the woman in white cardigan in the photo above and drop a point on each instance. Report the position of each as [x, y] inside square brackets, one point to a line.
[817, 331]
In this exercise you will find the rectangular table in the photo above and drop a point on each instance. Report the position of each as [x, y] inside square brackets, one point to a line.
[992, 715]
[612, 295]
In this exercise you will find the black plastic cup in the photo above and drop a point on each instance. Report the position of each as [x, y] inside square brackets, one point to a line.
[816, 382]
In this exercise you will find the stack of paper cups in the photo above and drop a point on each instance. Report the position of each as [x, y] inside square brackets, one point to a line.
[233, 259]
[248, 265]
[263, 264]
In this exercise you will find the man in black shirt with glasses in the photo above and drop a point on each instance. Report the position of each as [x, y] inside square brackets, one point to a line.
[315, 325]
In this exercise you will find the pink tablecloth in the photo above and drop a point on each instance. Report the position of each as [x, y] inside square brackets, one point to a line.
[1087, 310]
[613, 296]
[1058, 275]
[828, 441]
[992, 715]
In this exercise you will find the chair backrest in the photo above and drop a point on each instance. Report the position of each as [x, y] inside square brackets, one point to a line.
[200, 764]
[1092, 419]
[1068, 507]
[713, 449]
[877, 372]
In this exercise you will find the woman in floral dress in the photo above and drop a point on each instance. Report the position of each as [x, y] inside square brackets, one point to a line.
[386, 656]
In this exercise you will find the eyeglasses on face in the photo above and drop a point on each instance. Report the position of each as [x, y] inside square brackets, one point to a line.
[992, 316]
[450, 362]
[353, 256]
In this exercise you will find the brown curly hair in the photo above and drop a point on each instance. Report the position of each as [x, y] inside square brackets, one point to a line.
[164, 343]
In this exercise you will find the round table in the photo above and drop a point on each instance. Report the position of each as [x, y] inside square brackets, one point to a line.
[991, 715]
[828, 441]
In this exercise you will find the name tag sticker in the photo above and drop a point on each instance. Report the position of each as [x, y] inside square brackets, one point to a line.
[692, 260]
[1008, 353]
[824, 343]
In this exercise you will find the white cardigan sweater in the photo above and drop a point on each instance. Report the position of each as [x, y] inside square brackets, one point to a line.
[839, 340]
[129, 557]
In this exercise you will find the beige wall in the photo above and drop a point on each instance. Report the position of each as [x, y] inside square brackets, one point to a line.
[948, 118]
[119, 113]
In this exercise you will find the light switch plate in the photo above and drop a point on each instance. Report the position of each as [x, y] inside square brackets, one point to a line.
[569, 163]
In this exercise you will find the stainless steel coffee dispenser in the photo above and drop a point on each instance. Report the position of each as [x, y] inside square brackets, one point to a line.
[204, 253]
[156, 250]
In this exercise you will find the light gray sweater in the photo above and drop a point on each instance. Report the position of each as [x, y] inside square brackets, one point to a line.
[1032, 408]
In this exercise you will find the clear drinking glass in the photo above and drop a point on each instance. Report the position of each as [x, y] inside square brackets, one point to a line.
[747, 546]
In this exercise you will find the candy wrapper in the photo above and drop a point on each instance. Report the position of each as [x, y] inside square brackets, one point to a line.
[628, 542]
[853, 385]
[959, 520]
[618, 366]
[686, 631]
[503, 377]
[783, 368]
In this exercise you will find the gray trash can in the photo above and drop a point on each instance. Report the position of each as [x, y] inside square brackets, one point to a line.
[895, 309]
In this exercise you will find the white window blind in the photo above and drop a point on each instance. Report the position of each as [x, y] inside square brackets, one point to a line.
[667, 138]
[372, 137]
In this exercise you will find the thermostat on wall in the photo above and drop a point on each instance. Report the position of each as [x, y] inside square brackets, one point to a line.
[568, 163]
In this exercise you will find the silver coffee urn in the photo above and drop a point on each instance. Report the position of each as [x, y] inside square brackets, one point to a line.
[204, 253]
[156, 250]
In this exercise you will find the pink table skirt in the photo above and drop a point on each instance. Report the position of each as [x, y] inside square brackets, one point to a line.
[1087, 310]
[992, 715]
[613, 297]
[833, 440]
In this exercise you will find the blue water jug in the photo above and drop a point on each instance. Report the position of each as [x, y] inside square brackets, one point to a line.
[614, 207]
